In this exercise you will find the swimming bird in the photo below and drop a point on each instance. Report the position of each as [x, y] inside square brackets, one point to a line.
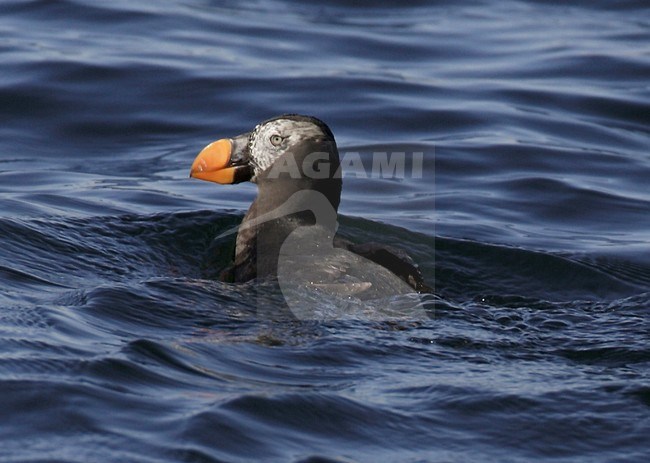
[289, 232]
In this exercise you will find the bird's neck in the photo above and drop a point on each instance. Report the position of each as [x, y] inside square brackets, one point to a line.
[301, 189]
[281, 207]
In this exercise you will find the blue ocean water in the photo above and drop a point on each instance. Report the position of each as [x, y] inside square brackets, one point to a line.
[531, 218]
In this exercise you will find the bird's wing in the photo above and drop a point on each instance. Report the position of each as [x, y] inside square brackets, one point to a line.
[394, 259]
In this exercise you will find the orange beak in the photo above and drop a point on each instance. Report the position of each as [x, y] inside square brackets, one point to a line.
[213, 163]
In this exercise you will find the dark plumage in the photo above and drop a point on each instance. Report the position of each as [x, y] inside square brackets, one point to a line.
[289, 230]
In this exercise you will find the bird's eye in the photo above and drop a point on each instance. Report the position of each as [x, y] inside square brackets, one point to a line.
[276, 140]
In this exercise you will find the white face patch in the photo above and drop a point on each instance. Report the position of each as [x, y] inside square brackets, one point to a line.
[264, 153]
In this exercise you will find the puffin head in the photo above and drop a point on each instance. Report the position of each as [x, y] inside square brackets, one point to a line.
[288, 148]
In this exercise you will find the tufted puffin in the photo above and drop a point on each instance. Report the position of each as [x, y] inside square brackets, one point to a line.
[289, 232]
